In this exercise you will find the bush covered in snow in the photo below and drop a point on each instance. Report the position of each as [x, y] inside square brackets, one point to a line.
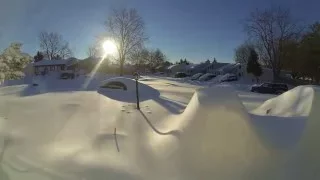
[12, 62]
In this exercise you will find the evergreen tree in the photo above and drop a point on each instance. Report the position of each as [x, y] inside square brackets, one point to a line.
[183, 61]
[310, 53]
[253, 65]
[167, 63]
[38, 57]
[214, 60]
[12, 62]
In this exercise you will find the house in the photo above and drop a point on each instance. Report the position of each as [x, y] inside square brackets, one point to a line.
[28, 70]
[266, 76]
[173, 69]
[48, 66]
[236, 69]
[215, 68]
[197, 68]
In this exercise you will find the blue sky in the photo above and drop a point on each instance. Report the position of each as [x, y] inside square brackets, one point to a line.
[192, 29]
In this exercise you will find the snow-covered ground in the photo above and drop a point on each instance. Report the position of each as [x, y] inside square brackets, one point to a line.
[67, 130]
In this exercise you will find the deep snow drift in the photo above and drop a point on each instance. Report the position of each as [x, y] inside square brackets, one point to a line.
[296, 102]
[71, 136]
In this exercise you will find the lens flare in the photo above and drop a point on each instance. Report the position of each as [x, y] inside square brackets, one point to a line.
[109, 47]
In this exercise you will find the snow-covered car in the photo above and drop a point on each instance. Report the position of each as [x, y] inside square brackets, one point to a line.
[67, 75]
[159, 73]
[196, 76]
[230, 78]
[180, 75]
[207, 77]
[271, 88]
[114, 85]
[124, 89]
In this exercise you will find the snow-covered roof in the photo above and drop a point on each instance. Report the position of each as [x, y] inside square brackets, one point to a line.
[217, 65]
[177, 65]
[52, 62]
[172, 66]
[229, 67]
[191, 66]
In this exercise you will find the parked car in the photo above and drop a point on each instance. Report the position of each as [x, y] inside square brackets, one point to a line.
[196, 76]
[180, 75]
[67, 75]
[230, 78]
[206, 77]
[270, 88]
[159, 73]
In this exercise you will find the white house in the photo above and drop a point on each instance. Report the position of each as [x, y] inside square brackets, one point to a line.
[176, 68]
[214, 68]
[48, 66]
[196, 68]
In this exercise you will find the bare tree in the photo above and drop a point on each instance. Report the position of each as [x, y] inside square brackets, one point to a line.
[271, 29]
[139, 59]
[53, 46]
[127, 29]
[157, 58]
[242, 53]
[93, 51]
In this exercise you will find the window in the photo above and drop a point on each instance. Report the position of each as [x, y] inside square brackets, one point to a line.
[62, 67]
[51, 68]
[266, 85]
[280, 86]
[114, 85]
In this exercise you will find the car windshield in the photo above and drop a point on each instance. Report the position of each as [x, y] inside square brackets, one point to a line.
[159, 89]
[197, 75]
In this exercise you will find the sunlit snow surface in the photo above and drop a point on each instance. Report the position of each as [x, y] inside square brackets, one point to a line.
[64, 134]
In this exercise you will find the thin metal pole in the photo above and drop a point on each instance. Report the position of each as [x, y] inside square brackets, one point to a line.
[137, 94]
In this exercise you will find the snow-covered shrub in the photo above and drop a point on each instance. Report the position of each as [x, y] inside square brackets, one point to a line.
[12, 62]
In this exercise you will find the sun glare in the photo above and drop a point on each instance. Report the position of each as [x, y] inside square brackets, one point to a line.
[109, 47]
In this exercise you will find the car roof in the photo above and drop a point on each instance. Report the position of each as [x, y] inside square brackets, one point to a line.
[274, 83]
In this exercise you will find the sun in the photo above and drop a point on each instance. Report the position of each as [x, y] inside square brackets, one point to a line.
[109, 47]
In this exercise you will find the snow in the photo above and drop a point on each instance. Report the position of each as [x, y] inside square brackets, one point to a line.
[67, 132]
[296, 102]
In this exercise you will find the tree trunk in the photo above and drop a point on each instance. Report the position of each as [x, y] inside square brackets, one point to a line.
[121, 68]
[122, 60]
[275, 74]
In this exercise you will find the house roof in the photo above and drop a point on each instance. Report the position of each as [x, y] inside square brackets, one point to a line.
[231, 67]
[225, 67]
[52, 62]
[217, 65]
[176, 65]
